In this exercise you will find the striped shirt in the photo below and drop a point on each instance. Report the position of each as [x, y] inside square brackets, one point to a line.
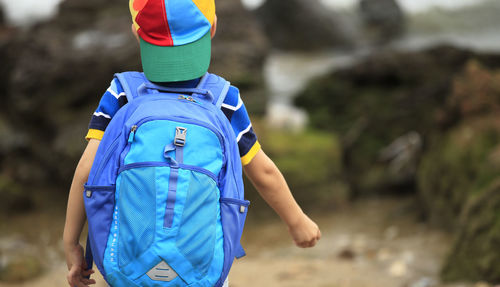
[233, 107]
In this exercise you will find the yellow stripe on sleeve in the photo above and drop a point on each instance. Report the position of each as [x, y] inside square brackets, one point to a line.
[246, 159]
[94, 134]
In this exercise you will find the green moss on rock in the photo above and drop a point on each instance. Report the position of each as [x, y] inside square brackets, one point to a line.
[459, 181]
[309, 161]
[474, 255]
[454, 169]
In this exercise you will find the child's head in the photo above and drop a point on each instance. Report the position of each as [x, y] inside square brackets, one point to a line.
[175, 37]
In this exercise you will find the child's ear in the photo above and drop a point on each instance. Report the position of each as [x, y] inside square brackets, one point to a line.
[213, 30]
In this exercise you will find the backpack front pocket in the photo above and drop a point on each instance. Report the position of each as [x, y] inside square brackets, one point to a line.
[136, 209]
[187, 197]
[198, 232]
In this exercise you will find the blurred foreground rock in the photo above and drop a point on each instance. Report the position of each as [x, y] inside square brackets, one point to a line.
[303, 25]
[53, 75]
[434, 114]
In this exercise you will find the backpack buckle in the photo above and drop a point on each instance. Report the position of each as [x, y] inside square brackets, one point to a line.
[180, 136]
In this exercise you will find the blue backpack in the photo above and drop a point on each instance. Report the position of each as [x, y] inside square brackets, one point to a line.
[164, 198]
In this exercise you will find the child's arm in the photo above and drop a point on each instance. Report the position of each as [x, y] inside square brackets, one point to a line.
[271, 185]
[75, 220]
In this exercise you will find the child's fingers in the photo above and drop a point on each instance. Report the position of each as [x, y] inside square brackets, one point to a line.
[87, 273]
[304, 244]
[88, 281]
[73, 277]
[310, 243]
[76, 282]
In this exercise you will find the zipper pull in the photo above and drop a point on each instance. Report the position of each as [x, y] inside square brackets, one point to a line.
[132, 134]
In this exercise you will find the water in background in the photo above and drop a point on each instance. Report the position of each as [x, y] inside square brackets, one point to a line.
[409, 6]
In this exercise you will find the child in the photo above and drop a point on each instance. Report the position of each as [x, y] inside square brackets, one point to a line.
[175, 52]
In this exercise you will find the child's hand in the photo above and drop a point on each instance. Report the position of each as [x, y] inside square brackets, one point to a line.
[305, 232]
[76, 267]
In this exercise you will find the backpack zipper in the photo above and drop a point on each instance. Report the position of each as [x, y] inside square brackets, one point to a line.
[132, 134]
[166, 164]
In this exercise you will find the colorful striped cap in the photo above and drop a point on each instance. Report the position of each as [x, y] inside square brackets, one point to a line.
[174, 37]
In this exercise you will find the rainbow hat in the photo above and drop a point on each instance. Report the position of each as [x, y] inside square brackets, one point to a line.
[174, 37]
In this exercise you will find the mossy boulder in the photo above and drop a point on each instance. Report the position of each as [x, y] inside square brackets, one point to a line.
[310, 163]
[457, 167]
[474, 255]
[303, 25]
[385, 97]
[459, 178]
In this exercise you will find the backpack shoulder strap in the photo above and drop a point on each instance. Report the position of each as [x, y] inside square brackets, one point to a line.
[130, 82]
[217, 86]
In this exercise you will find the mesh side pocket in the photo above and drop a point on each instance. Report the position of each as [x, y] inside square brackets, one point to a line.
[197, 232]
[137, 207]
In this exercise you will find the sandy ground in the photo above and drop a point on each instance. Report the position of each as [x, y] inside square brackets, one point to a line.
[375, 243]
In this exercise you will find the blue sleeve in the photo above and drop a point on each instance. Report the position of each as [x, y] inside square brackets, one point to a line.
[111, 101]
[235, 110]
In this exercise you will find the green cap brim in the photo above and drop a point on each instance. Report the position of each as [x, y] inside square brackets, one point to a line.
[176, 63]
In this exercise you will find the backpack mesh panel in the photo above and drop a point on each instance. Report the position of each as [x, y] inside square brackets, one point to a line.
[137, 207]
[196, 237]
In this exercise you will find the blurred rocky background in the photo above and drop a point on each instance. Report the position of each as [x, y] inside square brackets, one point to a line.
[381, 114]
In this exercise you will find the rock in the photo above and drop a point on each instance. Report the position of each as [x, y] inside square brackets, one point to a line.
[373, 103]
[462, 160]
[240, 46]
[2, 16]
[383, 19]
[458, 177]
[398, 268]
[303, 25]
[319, 186]
[346, 254]
[475, 92]
[12, 198]
[21, 269]
[474, 255]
